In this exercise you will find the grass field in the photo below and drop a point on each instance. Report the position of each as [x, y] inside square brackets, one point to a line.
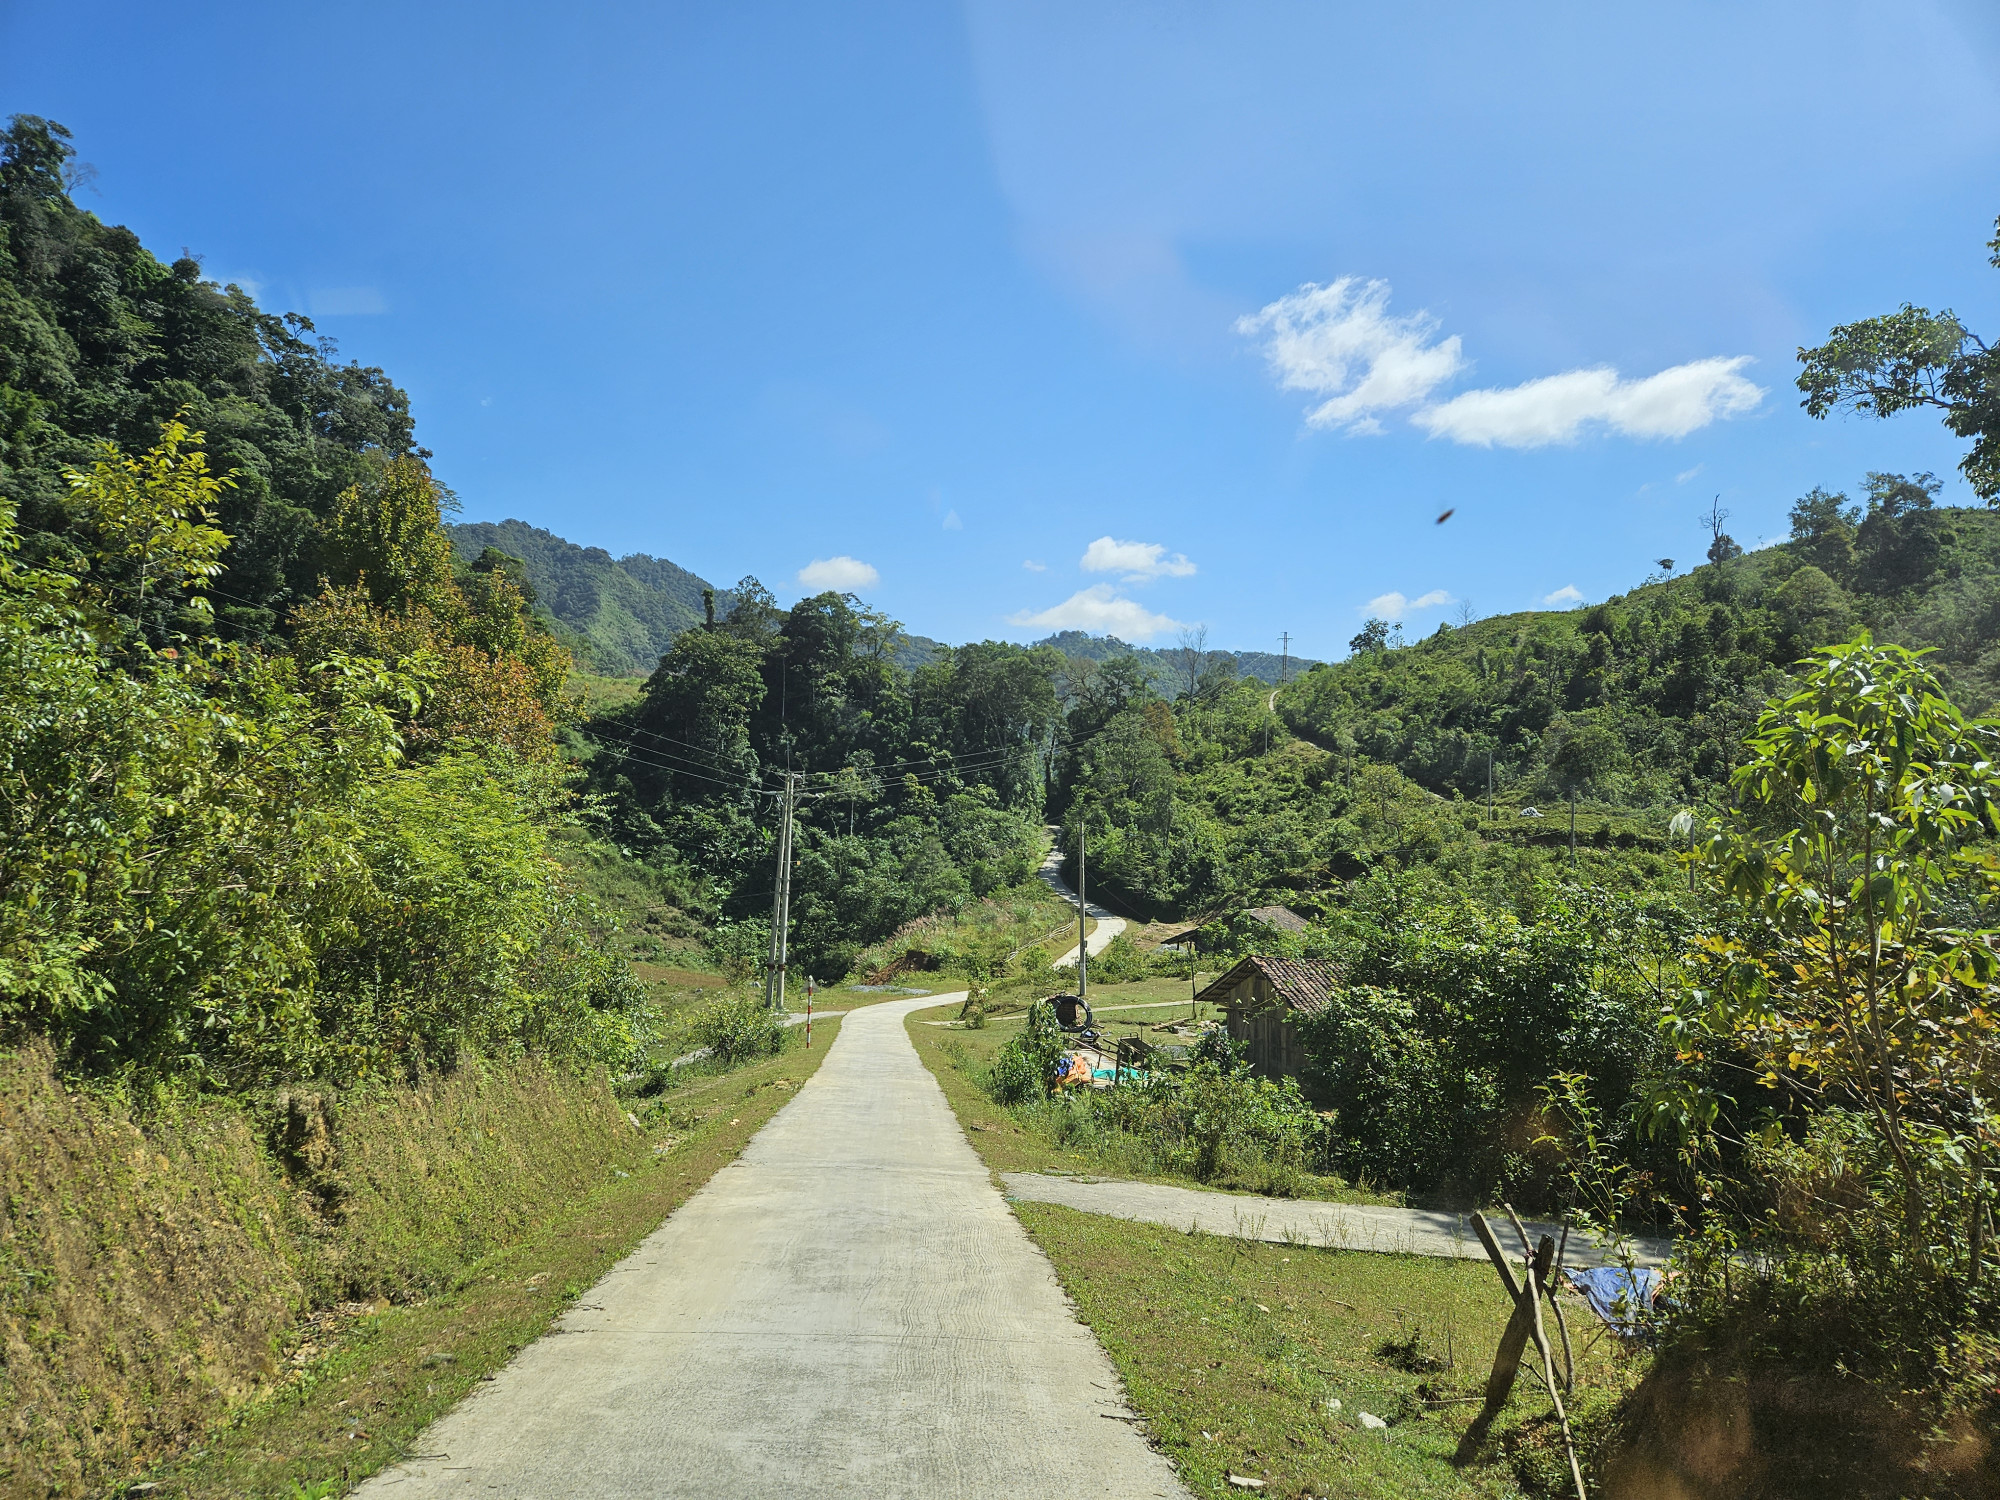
[369, 1378]
[1236, 1354]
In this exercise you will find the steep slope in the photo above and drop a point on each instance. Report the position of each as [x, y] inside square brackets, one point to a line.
[626, 611]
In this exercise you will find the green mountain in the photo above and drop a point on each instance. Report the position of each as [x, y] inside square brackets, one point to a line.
[1166, 667]
[1645, 698]
[622, 613]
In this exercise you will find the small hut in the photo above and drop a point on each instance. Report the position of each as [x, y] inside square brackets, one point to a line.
[1259, 995]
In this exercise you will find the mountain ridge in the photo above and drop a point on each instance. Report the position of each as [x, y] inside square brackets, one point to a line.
[621, 614]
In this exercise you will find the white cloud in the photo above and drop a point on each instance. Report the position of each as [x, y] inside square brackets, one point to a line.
[1686, 474]
[952, 522]
[1395, 604]
[1342, 342]
[1134, 560]
[843, 573]
[1565, 596]
[346, 301]
[1100, 608]
[1034, 567]
[1556, 408]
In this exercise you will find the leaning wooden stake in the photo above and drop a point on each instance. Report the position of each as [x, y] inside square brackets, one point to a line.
[1532, 1295]
[1513, 1342]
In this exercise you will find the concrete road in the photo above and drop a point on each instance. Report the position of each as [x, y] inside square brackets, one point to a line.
[1108, 926]
[847, 1310]
[1304, 1221]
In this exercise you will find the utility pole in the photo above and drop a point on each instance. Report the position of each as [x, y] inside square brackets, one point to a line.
[781, 904]
[1285, 660]
[1082, 941]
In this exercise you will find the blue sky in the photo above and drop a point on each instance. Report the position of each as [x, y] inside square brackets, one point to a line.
[1022, 314]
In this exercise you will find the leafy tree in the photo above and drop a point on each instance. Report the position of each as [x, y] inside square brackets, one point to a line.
[1859, 870]
[1823, 531]
[1373, 636]
[1915, 358]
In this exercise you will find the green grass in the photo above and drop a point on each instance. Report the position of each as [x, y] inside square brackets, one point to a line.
[368, 1379]
[1233, 1352]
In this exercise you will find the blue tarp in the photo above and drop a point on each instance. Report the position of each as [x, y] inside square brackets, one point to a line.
[1617, 1295]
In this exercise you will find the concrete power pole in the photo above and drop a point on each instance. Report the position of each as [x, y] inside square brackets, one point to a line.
[1285, 660]
[781, 904]
[1082, 941]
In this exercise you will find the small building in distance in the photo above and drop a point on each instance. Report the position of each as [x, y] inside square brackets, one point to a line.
[1258, 996]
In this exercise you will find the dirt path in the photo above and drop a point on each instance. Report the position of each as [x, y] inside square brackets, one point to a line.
[848, 1310]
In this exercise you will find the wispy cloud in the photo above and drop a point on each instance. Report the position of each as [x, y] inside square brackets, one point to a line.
[1100, 608]
[1135, 560]
[1563, 597]
[346, 302]
[844, 573]
[952, 522]
[1342, 342]
[1557, 408]
[1395, 604]
[1686, 474]
[1034, 567]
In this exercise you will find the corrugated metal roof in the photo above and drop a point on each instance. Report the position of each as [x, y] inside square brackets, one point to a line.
[1306, 984]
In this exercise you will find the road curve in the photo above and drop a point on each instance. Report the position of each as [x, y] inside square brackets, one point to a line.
[1108, 926]
[847, 1310]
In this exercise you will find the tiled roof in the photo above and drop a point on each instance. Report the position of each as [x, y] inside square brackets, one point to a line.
[1306, 984]
[1281, 917]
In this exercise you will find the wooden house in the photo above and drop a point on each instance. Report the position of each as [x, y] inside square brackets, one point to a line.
[1259, 996]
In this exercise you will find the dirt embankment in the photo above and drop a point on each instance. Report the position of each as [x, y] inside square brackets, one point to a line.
[154, 1274]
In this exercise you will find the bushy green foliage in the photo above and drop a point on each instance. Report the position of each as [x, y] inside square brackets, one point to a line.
[1452, 1017]
[1025, 1069]
[215, 863]
[738, 1028]
[102, 342]
[1215, 1118]
[920, 791]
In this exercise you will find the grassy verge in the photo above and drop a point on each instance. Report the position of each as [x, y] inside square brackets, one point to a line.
[370, 1378]
[1235, 1353]
[1031, 1138]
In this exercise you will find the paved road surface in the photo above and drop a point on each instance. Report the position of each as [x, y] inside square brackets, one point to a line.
[847, 1310]
[1108, 926]
[1297, 1221]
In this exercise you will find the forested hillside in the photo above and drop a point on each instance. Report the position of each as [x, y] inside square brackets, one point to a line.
[621, 614]
[1645, 699]
[102, 342]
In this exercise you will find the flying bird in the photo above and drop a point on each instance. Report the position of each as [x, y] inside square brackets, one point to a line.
[1447, 515]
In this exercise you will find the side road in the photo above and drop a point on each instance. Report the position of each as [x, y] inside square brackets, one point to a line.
[847, 1310]
[1108, 926]
[1301, 1221]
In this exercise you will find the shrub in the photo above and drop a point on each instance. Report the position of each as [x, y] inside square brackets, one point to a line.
[1216, 1119]
[1022, 1071]
[739, 1028]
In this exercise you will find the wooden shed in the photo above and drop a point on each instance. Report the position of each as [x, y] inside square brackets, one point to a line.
[1259, 995]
